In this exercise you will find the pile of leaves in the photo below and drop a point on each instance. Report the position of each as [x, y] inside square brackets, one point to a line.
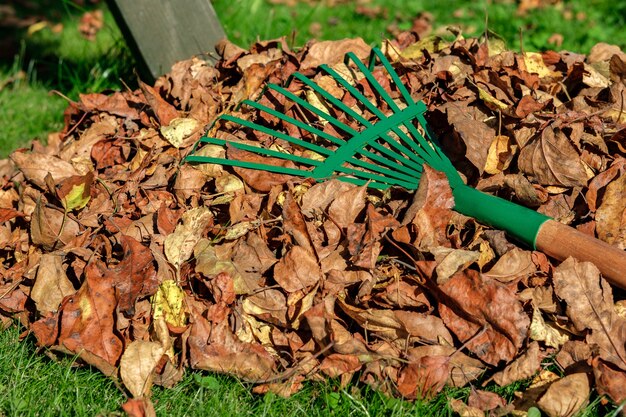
[115, 250]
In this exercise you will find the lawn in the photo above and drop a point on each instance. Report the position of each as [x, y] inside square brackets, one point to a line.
[51, 67]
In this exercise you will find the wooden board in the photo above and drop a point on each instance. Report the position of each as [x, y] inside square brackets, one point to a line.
[162, 32]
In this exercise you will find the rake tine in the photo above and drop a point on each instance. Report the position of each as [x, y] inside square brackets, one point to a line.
[427, 147]
[408, 174]
[307, 145]
[321, 150]
[264, 151]
[378, 179]
[415, 162]
[417, 150]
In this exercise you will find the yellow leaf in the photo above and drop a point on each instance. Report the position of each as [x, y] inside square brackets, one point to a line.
[495, 43]
[500, 155]
[593, 78]
[228, 184]
[238, 230]
[77, 198]
[169, 302]
[486, 254]
[179, 129]
[51, 283]
[534, 64]
[179, 245]
[213, 151]
[431, 44]
[491, 101]
[542, 332]
[36, 27]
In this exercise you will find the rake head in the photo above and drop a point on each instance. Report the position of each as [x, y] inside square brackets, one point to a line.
[380, 141]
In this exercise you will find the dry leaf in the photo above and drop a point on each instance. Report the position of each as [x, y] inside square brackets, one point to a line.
[332, 52]
[51, 284]
[565, 397]
[475, 302]
[542, 332]
[180, 244]
[297, 270]
[514, 264]
[611, 215]
[553, 160]
[523, 367]
[35, 167]
[590, 307]
[137, 366]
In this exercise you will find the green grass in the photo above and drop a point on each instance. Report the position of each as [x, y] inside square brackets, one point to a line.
[32, 384]
[581, 23]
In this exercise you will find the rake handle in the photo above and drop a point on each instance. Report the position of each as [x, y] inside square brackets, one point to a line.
[560, 242]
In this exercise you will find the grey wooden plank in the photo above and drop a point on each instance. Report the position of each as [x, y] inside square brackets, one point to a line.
[161, 32]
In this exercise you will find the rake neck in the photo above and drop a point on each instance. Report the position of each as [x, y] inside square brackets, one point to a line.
[520, 222]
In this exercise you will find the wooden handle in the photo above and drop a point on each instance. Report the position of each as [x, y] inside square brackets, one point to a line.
[560, 242]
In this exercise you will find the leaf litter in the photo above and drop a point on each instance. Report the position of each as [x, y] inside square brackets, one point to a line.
[115, 251]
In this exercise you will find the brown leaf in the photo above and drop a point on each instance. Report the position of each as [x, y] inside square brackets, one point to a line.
[523, 367]
[139, 407]
[475, 303]
[134, 276]
[565, 397]
[318, 197]
[137, 366]
[35, 167]
[424, 378]
[87, 324]
[485, 400]
[115, 104]
[399, 324]
[90, 24]
[260, 180]
[269, 305]
[163, 110]
[297, 270]
[213, 347]
[553, 160]
[346, 206]
[7, 214]
[611, 215]
[180, 244]
[337, 364]
[51, 228]
[475, 134]
[514, 264]
[51, 284]
[333, 52]
[610, 380]
[295, 223]
[589, 302]
[573, 352]
[464, 410]
[431, 210]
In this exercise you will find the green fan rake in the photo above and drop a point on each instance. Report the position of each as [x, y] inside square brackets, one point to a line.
[385, 142]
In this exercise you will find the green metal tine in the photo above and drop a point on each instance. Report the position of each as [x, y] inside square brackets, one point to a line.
[347, 129]
[425, 146]
[388, 152]
[445, 164]
[418, 151]
[413, 163]
[279, 169]
[307, 127]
